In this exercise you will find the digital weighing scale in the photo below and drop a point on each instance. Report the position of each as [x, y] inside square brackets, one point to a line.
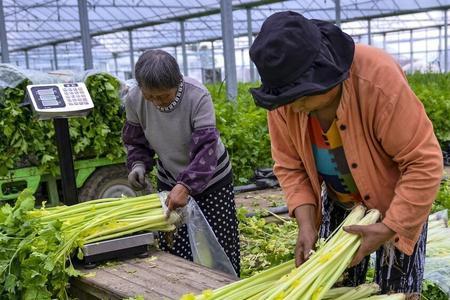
[62, 100]
[59, 102]
[68, 100]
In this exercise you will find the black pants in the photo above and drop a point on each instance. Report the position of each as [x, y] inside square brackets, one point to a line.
[220, 211]
[394, 270]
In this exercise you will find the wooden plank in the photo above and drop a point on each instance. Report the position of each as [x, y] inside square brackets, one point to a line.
[184, 277]
[194, 268]
[105, 285]
[83, 291]
[160, 276]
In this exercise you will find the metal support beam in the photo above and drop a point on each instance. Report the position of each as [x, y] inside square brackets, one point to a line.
[411, 55]
[369, 32]
[214, 11]
[55, 57]
[116, 68]
[27, 60]
[242, 64]
[226, 13]
[446, 41]
[183, 49]
[213, 57]
[426, 46]
[384, 41]
[85, 35]
[337, 8]
[440, 51]
[3, 36]
[250, 42]
[131, 48]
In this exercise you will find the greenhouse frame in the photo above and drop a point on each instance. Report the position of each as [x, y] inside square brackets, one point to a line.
[318, 169]
[204, 34]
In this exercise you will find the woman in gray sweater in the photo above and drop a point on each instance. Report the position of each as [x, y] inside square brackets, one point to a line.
[173, 117]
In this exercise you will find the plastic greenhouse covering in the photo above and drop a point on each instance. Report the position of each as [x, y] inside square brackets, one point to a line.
[36, 30]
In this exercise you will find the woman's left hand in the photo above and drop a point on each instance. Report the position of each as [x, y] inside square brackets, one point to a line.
[372, 237]
[178, 197]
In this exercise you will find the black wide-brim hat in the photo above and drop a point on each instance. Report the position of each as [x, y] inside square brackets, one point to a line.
[298, 57]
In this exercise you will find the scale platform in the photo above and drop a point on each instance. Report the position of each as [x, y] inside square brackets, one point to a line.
[135, 245]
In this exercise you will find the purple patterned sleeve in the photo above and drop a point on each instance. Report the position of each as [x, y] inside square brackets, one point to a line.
[138, 148]
[203, 160]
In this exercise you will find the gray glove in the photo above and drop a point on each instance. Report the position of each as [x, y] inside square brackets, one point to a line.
[136, 178]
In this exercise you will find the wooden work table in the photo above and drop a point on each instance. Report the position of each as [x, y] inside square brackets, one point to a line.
[158, 276]
[161, 275]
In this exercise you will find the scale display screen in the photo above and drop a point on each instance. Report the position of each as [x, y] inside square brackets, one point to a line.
[47, 97]
[60, 100]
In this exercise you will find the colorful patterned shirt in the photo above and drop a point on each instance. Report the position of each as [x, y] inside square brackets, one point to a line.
[331, 163]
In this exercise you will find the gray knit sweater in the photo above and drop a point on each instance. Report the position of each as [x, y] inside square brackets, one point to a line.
[185, 139]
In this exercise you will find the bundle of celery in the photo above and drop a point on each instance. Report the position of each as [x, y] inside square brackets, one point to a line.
[361, 292]
[36, 244]
[312, 280]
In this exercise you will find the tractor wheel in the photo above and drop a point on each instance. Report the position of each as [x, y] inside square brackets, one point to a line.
[109, 182]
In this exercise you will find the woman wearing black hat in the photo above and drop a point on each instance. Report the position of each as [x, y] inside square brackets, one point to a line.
[343, 117]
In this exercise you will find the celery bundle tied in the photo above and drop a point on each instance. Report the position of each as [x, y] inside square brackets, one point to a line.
[36, 244]
[312, 280]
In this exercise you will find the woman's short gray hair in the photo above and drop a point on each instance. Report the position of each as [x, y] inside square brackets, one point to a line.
[157, 69]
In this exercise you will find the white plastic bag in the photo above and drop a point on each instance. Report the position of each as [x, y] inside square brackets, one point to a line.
[437, 262]
[205, 247]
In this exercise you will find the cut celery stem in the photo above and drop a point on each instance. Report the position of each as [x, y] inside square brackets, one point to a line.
[361, 291]
[144, 221]
[271, 274]
[336, 292]
[92, 207]
[130, 230]
[397, 296]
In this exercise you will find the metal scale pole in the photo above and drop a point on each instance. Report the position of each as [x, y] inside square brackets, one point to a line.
[68, 183]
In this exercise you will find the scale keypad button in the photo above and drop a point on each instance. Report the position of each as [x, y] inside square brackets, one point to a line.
[75, 96]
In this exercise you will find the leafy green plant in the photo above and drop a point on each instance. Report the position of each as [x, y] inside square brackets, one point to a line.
[26, 141]
[432, 89]
[264, 245]
[443, 197]
[431, 291]
[243, 129]
[37, 245]
[99, 134]
[23, 139]
[29, 269]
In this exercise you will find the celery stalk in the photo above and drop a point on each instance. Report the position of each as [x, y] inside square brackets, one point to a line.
[398, 296]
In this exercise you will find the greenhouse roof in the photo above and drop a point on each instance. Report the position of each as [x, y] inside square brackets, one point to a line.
[156, 23]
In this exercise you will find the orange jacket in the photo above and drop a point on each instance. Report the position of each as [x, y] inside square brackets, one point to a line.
[389, 143]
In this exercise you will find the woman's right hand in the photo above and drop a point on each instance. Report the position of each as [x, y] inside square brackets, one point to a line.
[307, 233]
